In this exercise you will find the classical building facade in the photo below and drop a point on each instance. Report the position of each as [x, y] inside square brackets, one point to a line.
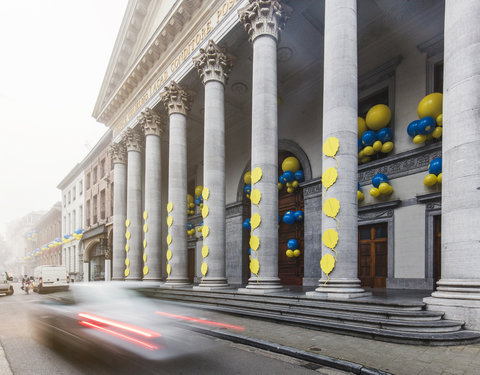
[197, 93]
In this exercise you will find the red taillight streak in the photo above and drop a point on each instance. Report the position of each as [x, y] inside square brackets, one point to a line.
[118, 334]
[196, 320]
[126, 327]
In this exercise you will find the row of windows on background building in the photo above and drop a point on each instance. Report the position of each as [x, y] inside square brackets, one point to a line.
[72, 194]
[92, 206]
[71, 225]
[94, 177]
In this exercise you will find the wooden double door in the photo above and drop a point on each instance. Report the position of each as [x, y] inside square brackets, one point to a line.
[373, 255]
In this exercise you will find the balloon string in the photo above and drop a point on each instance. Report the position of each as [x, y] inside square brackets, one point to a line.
[335, 253]
[325, 283]
[338, 223]
[336, 161]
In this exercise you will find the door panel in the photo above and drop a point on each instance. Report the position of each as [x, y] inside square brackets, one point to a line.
[373, 255]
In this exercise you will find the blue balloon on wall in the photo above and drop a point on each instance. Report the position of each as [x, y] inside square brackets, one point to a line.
[288, 218]
[292, 244]
[426, 125]
[279, 218]
[369, 138]
[358, 186]
[282, 179]
[299, 176]
[360, 145]
[385, 135]
[289, 176]
[412, 128]
[198, 201]
[435, 166]
[189, 226]
[246, 224]
[298, 216]
[247, 189]
[378, 179]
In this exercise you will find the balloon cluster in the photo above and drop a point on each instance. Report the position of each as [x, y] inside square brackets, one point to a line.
[373, 135]
[200, 228]
[190, 229]
[246, 225]
[198, 196]
[434, 173]
[293, 250]
[292, 174]
[430, 121]
[380, 185]
[247, 178]
[190, 205]
[360, 196]
[291, 217]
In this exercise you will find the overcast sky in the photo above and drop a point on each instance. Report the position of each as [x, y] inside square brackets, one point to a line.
[54, 54]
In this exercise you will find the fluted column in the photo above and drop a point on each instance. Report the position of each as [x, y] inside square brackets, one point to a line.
[213, 66]
[178, 102]
[340, 106]
[152, 126]
[458, 291]
[133, 223]
[118, 154]
[263, 21]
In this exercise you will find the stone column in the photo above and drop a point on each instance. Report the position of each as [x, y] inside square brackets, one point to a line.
[214, 65]
[118, 154]
[178, 102]
[458, 291]
[263, 21]
[108, 262]
[86, 272]
[340, 107]
[152, 126]
[134, 224]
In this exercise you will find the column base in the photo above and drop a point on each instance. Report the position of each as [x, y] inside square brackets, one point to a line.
[338, 289]
[174, 283]
[262, 285]
[459, 299]
[212, 283]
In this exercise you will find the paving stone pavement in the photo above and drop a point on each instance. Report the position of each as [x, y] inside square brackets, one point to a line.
[399, 359]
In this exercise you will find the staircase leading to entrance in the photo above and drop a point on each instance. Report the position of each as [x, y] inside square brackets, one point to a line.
[401, 322]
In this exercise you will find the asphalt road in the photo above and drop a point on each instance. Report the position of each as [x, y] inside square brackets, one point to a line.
[26, 353]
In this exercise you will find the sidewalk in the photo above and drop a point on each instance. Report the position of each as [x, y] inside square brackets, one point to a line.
[393, 358]
[4, 365]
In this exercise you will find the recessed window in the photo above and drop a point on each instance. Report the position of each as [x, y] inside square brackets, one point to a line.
[80, 188]
[74, 193]
[87, 181]
[438, 77]
[95, 171]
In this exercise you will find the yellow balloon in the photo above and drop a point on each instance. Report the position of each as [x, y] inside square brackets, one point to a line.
[204, 251]
[255, 196]
[127, 262]
[189, 199]
[257, 175]
[145, 243]
[204, 269]
[331, 207]
[247, 177]
[169, 220]
[290, 190]
[330, 238]
[374, 192]
[295, 184]
[327, 263]
[169, 254]
[290, 164]
[145, 215]
[390, 190]
[378, 117]
[254, 243]
[145, 270]
[205, 211]
[368, 150]
[330, 147]
[437, 132]
[198, 190]
[366, 159]
[255, 221]
[439, 119]
[169, 239]
[383, 188]
[296, 253]
[206, 193]
[360, 196]
[439, 178]
[205, 231]
[377, 146]
[419, 139]
[169, 207]
[127, 223]
[289, 253]
[280, 186]
[169, 269]
[387, 147]
[361, 154]
[431, 105]
[254, 266]
[127, 247]
[127, 272]
[127, 235]
[362, 127]
[329, 177]
[430, 180]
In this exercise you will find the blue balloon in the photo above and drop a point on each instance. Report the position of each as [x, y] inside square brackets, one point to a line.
[79, 231]
[369, 138]
[358, 186]
[292, 244]
[298, 215]
[198, 201]
[249, 251]
[246, 224]
[360, 145]
[426, 125]
[435, 166]
[299, 176]
[289, 176]
[247, 189]
[279, 218]
[189, 226]
[378, 179]
[282, 179]
[412, 128]
[385, 135]
[288, 218]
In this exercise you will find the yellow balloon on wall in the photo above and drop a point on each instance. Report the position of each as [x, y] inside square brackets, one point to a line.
[362, 127]
[247, 177]
[329, 177]
[255, 196]
[204, 269]
[254, 266]
[198, 190]
[289, 253]
[439, 178]
[331, 207]
[387, 147]
[205, 251]
[368, 150]
[206, 193]
[419, 139]
[330, 238]
[257, 175]
[290, 164]
[190, 199]
[330, 147]
[430, 180]
[254, 243]
[383, 188]
[374, 192]
[360, 196]
[431, 105]
[378, 117]
[169, 269]
[327, 263]
[439, 119]
[377, 146]
[437, 132]
[169, 254]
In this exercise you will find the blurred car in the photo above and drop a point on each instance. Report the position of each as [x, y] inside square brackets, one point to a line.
[109, 318]
[5, 283]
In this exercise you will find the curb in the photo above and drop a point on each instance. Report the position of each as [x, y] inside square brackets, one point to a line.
[338, 364]
[5, 368]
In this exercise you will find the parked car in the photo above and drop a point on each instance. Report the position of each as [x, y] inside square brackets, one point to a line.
[50, 278]
[5, 284]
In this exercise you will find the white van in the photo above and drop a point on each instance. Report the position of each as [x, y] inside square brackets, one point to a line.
[5, 284]
[50, 278]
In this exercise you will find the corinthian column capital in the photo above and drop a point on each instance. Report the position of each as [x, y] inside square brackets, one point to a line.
[264, 17]
[213, 63]
[176, 99]
[151, 122]
[133, 140]
[118, 153]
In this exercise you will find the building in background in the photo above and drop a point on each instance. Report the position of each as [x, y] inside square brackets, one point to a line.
[72, 190]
